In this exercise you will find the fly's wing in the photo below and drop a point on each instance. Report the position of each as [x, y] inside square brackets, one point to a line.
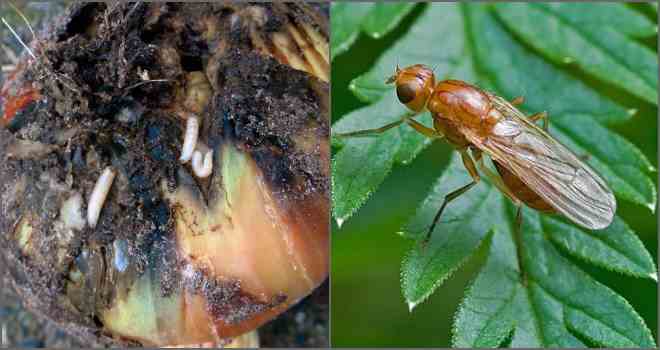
[548, 168]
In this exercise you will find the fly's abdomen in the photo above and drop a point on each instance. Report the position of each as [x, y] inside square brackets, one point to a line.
[522, 191]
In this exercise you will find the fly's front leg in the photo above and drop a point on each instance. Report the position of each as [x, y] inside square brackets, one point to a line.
[371, 132]
[408, 119]
[423, 129]
[469, 165]
[541, 115]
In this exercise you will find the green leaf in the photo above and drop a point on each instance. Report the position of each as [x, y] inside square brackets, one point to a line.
[590, 308]
[557, 301]
[515, 71]
[618, 16]
[362, 163]
[453, 240]
[346, 20]
[384, 17]
[420, 45]
[562, 34]
[616, 247]
[498, 303]
[487, 314]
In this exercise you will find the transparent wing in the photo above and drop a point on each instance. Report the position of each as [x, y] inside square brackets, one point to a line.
[547, 167]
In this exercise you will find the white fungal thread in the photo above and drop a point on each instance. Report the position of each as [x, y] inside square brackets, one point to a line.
[189, 139]
[202, 170]
[99, 193]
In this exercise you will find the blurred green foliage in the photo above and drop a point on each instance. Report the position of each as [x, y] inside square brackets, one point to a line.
[557, 59]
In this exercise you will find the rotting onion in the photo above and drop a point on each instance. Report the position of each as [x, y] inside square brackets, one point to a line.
[174, 259]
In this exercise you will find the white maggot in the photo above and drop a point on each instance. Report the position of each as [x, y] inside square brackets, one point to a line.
[202, 170]
[99, 193]
[189, 139]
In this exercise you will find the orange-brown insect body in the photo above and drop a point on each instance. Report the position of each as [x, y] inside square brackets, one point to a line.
[522, 191]
[456, 106]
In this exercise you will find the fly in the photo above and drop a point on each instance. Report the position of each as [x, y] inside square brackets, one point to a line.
[532, 167]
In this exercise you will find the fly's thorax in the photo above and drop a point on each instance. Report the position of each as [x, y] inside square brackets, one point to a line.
[464, 104]
[414, 85]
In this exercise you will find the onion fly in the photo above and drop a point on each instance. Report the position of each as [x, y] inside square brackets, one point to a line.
[532, 167]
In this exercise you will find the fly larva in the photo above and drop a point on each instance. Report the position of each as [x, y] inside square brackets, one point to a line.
[205, 169]
[190, 138]
[96, 200]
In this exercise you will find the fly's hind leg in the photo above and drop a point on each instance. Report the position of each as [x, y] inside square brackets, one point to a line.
[517, 234]
[534, 117]
[494, 177]
[472, 170]
[541, 115]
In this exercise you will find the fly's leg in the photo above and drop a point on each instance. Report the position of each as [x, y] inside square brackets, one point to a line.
[541, 115]
[534, 117]
[469, 165]
[494, 177]
[408, 119]
[518, 101]
[545, 117]
[371, 132]
[423, 129]
[517, 234]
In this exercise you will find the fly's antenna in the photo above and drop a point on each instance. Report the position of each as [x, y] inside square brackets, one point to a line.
[393, 77]
[434, 68]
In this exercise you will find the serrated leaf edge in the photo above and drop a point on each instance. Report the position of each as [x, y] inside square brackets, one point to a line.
[469, 291]
[586, 258]
[413, 303]
[606, 290]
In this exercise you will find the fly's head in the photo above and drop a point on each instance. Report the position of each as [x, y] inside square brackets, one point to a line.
[414, 85]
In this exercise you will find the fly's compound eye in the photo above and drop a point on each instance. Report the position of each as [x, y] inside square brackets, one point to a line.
[406, 92]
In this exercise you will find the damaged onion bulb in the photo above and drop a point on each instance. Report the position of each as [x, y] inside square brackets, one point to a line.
[191, 237]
